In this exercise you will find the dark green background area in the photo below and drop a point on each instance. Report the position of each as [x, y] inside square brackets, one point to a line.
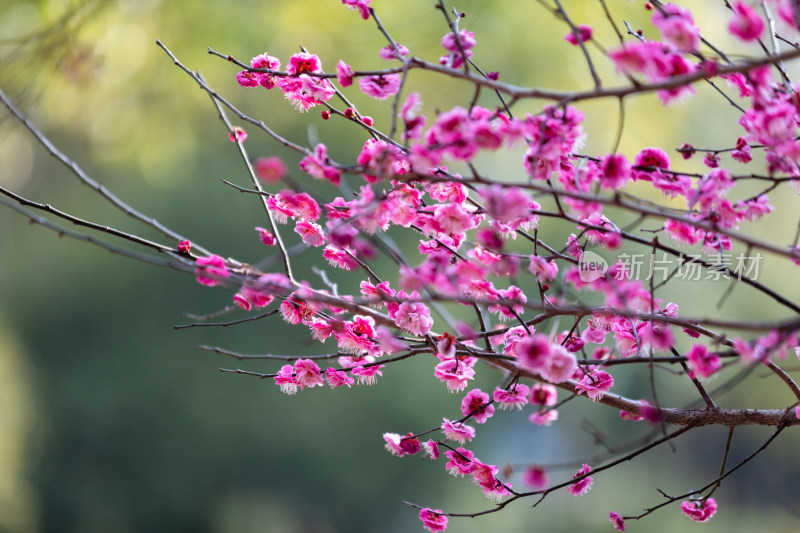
[111, 420]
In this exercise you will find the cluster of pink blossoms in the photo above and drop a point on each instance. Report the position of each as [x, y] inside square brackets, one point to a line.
[466, 227]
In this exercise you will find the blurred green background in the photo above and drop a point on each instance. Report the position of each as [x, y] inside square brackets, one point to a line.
[110, 420]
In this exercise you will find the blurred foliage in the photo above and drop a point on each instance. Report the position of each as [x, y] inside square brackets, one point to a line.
[112, 421]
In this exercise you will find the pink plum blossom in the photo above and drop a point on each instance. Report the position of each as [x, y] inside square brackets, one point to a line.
[616, 171]
[362, 7]
[559, 366]
[535, 477]
[340, 257]
[431, 448]
[307, 373]
[389, 52]
[676, 25]
[457, 431]
[392, 444]
[380, 87]
[579, 488]
[515, 396]
[367, 375]
[702, 363]
[286, 380]
[318, 165]
[344, 74]
[544, 418]
[699, 510]
[267, 238]
[433, 520]
[336, 378]
[584, 34]
[543, 394]
[414, 317]
[595, 384]
[455, 373]
[616, 521]
[237, 135]
[532, 352]
[746, 24]
[211, 270]
[310, 232]
[270, 169]
[410, 444]
[460, 461]
[476, 404]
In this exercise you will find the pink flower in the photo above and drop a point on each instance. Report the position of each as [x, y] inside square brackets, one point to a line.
[270, 169]
[337, 378]
[747, 25]
[465, 38]
[682, 232]
[702, 363]
[544, 394]
[699, 510]
[250, 297]
[460, 462]
[266, 61]
[247, 79]
[544, 270]
[410, 444]
[310, 232]
[742, 152]
[431, 449]
[388, 52]
[432, 519]
[579, 488]
[450, 43]
[535, 477]
[362, 6]
[340, 257]
[533, 351]
[210, 270]
[677, 28]
[380, 87]
[584, 34]
[455, 373]
[317, 165]
[485, 476]
[381, 159]
[237, 134]
[393, 444]
[560, 366]
[515, 396]
[616, 171]
[367, 375]
[286, 380]
[344, 74]
[616, 521]
[452, 218]
[303, 62]
[184, 247]
[595, 384]
[307, 373]
[457, 431]
[414, 317]
[544, 418]
[476, 404]
[357, 335]
[650, 157]
[266, 236]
